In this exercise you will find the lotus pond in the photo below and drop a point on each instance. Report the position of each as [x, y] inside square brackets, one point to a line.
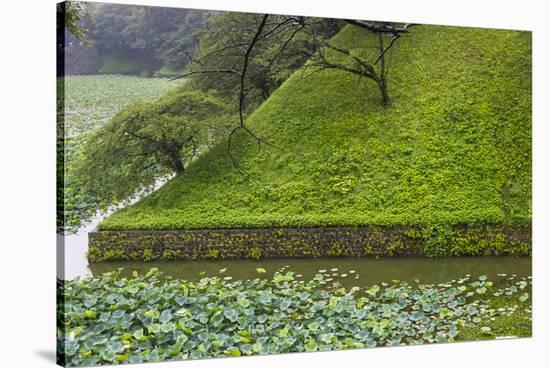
[110, 318]
[91, 100]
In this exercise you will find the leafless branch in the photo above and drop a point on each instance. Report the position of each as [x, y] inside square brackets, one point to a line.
[381, 55]
[207, 71]
[380, 27]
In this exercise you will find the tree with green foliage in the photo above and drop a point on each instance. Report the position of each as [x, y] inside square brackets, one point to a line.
[73, 19]
[149, 140]
[72, 14]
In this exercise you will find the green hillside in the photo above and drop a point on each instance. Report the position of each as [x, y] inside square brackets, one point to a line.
[454, 147]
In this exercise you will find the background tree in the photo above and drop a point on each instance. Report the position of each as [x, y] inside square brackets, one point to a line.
[71, 33]
[73, 13]
[149, 140]
[141, 37]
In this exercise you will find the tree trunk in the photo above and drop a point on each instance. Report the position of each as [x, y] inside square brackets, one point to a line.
[386, 101]
[382, 82]
[178, 166]
[265, 92]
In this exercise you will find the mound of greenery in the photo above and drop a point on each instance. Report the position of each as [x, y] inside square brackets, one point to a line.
[454, 147]
[108, 319]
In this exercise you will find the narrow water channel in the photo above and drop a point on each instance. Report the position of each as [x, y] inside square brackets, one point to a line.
[349, 271]
[72, 249]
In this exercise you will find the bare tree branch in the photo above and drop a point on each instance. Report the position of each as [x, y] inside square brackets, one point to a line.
[242, 91]
[381, 55]
[380, 27]
[209, 71]
[281, 30]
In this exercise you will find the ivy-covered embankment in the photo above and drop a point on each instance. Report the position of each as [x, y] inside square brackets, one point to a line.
[431, 241]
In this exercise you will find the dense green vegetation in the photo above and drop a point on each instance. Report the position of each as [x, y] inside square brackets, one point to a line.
[148, 140]
[108, 319]
[136, 40]
[84, 104]
[454, 147]
[116, 63]
[372, 241]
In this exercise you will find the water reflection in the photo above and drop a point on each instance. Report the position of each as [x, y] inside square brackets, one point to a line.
[357, 271]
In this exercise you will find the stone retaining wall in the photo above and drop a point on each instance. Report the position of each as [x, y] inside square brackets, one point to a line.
[373, 241]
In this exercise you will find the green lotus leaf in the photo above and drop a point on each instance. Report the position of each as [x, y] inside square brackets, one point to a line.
[154, 328]
[481, 290]
[165, 316]
[285, 304]
[373, 290]
[232, 352]
[138, 334]
[152, 314]
[314, 326]
[231, 314]
[310, 345]
[90, 314]
[486, 329]
[90, 302]
[115, 346]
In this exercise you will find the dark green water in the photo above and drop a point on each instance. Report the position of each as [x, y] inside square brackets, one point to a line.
[350, 271]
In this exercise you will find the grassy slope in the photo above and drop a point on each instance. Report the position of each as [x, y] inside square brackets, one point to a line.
[455, 147]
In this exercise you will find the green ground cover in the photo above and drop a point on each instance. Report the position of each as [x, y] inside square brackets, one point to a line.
[454, 148]
[108, 319]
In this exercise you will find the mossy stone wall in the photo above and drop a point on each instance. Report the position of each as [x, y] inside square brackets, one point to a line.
[373, 241]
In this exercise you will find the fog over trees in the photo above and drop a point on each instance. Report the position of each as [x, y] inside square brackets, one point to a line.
[121, 39]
